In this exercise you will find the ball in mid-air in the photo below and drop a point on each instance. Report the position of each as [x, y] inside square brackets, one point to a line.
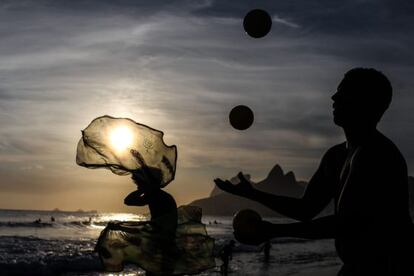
[241, 117]
[257, 23]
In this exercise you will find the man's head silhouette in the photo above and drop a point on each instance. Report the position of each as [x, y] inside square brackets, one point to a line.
[361, 98]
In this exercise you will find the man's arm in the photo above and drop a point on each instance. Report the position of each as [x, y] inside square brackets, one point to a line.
[317, 195]
[320, 228]
[135, 199]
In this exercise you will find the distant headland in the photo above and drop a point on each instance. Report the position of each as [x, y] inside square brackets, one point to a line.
[55, 210]
[277, 182]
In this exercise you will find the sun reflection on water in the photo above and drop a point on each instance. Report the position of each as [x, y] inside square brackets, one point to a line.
[122, 217]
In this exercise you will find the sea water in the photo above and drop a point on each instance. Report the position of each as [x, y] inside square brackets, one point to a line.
[32, 244]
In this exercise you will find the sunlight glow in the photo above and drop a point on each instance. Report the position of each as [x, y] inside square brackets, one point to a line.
[122, 217]
[121, 138]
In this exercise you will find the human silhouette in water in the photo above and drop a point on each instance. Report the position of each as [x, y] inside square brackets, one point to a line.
[366, 177]
[226, 254]
[266, 250]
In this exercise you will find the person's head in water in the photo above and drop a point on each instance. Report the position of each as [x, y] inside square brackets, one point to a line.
[361, 98]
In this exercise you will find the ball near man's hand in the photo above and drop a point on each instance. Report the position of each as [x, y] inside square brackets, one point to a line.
[246, 225]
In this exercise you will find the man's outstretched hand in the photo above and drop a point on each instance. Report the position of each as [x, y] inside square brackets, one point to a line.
[244, 188]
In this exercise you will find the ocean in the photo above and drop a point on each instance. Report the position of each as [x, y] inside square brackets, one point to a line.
[32, 244]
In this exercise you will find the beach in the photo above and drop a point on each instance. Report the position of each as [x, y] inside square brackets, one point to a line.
[65, 246]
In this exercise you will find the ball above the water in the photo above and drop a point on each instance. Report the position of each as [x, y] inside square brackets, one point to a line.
[257, 23]
[241, 117]
[245, 222]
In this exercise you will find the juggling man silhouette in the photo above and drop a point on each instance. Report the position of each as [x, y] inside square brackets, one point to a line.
[366, 177]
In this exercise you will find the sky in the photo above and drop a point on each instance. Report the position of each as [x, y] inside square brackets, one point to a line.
[180, 67]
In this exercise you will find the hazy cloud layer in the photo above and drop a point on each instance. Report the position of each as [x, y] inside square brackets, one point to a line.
[180, 66]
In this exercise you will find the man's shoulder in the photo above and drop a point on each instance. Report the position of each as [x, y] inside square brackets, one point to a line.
[335, 155]
[381, 147]
[381, 153]
[336, 149]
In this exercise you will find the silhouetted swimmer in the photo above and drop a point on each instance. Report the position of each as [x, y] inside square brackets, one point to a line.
[226, 254]
[52, 219]
[266, 250]
[366, 177]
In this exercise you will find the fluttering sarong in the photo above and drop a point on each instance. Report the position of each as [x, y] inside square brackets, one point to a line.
[107, 143]
[189, 251]
[159, 246]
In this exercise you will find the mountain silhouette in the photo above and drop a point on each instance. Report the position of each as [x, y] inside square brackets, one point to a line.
[277, 182]
[220, 203]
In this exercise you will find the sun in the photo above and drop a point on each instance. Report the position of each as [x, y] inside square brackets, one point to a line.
[121, 138]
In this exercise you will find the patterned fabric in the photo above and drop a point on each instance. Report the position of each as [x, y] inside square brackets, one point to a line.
[108, 142]
[146, 244]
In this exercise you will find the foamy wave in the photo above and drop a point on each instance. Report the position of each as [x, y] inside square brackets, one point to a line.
[52, 224]
[35, 256]
[25, 224]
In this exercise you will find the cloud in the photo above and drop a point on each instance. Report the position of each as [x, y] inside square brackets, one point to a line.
[276, 18]
[180, 66]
